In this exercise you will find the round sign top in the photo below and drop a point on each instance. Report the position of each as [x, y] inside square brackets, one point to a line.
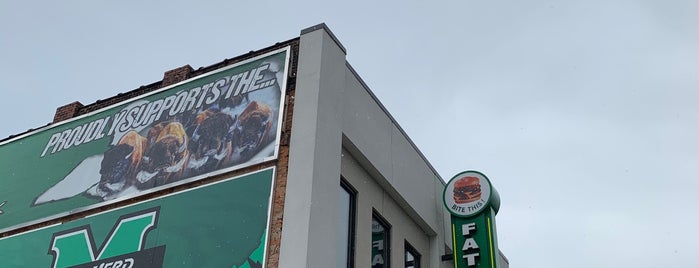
[467, 193]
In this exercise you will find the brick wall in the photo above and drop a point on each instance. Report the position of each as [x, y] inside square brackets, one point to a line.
[277, 213]
[67, 111]
[177, 75]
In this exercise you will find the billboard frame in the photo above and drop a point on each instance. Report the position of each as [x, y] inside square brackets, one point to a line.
[251, 162]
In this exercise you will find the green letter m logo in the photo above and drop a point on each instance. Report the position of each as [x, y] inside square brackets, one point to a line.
[76, 246]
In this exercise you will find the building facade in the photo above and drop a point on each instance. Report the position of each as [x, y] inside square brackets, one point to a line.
[282, 157]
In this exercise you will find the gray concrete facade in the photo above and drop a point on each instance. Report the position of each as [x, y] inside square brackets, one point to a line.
[310, 219]
[339, 128]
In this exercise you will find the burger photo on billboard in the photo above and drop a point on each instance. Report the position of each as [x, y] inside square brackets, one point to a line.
[467, 190]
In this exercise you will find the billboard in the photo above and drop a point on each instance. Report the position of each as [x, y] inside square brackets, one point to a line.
[210, 124]
[216, 225]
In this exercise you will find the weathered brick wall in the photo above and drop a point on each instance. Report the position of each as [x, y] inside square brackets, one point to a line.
[277, 213]
[177, 75]
[67, 111]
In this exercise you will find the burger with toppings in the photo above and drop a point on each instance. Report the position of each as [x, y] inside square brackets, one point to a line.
[466, 190]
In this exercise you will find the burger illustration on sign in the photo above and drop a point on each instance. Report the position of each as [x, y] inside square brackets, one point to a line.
[466, 190]
[467, 193]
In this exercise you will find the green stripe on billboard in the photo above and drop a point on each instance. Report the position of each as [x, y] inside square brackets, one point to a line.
[213, 123]
[217, 225]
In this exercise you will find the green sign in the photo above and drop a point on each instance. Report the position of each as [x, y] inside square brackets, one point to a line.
[473, 203]
[475, 240]
[213, 123]
[217, 225]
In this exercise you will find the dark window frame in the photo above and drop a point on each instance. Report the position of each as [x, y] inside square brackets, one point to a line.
[387, 227]
[352, 220]
[408, 248]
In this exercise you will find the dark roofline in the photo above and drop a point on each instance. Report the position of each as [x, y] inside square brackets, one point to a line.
[159, 84]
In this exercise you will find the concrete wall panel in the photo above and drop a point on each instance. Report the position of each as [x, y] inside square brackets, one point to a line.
[367, 126]
[310, 219]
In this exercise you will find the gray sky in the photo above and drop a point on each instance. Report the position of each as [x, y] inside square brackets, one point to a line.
[582, 113]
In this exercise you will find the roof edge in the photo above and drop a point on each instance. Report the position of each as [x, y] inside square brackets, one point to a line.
[393, 119]
[323, 26]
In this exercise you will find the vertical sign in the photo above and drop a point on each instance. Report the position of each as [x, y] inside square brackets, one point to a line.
[473, 203]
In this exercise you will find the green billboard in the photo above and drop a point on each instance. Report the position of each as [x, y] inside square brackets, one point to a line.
[219, 121]
[217, 225]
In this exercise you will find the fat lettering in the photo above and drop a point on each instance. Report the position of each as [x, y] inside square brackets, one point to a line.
[470, 244]
[470, 248]
[471, 259]
[377, 259]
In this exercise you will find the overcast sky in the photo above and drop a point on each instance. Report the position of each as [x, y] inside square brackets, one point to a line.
[583, 113]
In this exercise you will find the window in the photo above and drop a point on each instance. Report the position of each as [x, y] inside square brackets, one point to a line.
[380, 242]
[412, 257]
[345, 229]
